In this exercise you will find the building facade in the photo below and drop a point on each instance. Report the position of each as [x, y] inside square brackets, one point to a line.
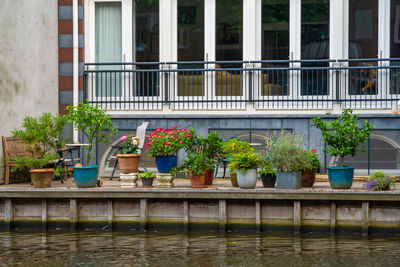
[244, 68]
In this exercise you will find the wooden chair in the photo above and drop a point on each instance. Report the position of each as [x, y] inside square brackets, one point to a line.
[13, 147]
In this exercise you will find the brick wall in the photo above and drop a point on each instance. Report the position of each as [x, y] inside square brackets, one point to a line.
[65, 53]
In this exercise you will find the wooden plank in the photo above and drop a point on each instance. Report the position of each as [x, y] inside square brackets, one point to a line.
[185, 215]
[110, 213]
[8, 212]
[365, 218]
[144, 214]
[44, 214]
[223, 215]
[296, 216]
[258, 216]
[332, 225]
[73, 213]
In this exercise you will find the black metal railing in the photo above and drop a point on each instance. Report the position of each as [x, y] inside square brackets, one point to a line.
[295, 84]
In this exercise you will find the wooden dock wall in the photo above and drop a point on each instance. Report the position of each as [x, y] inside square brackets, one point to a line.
[213, 210]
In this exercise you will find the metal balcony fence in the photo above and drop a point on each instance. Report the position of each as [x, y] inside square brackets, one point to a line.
[237, 85]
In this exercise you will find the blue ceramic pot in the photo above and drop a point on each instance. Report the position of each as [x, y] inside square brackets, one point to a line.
[247, 179]
[165, 163]
[341, 177]
[86, 176]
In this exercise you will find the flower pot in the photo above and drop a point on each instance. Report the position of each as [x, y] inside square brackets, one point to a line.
[198, 180]
[268, 180]
[210, 176]
[165, 163]
[288, 180]
[86, 176]
[148, 182]
[247, 179]
[307, 178]
[165, 180]
[341, 177]
[128, 163]
[41, 178]
[234, 179]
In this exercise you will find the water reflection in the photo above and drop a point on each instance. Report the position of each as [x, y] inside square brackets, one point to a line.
[93, 248]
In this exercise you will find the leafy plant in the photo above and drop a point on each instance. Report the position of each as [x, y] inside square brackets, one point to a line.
[214, 147]
[196, 163]
[380, 181]
[166, 142]
[60, 171]
[266, 168]
[131, 144]
[91, 121]
[235, 146]
[284, 151]
[309, 160]
[343, 135]
[146, 175]
[244, 161]
[41, 136]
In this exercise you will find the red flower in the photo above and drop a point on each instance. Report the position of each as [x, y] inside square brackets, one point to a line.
[313, 150]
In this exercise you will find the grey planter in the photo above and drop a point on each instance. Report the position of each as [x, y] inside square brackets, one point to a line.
[247, 179]
[288, 180]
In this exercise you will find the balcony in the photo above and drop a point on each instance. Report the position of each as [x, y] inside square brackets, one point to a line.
[256, 86]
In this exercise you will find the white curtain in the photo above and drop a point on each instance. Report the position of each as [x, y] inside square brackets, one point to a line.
[108, 47]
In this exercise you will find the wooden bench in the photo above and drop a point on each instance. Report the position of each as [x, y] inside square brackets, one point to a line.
[13, 147]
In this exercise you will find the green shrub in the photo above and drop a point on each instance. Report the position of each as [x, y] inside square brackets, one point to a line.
[146, 175]
[266, 168]
[343, 136]
[244, 161]
[197, 164]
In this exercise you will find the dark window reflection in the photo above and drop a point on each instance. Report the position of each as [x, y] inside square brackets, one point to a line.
[363, 43]
[229, 46]
[315, 45]
[275, 46]
[146, 19]
[191, 47]
[395, 45]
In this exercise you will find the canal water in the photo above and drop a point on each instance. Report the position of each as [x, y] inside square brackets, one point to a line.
[130, 248]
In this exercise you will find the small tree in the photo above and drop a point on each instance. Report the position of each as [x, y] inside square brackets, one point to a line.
[343, 135]
[91, 121]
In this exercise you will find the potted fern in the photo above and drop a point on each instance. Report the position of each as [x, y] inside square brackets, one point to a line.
[91, 121]
[343, 137]
[41, 137]
[267, 173]
[245, 165]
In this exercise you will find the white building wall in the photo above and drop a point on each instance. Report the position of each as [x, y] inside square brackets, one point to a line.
[28, 62]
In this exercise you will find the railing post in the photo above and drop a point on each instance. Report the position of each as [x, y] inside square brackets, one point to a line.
[85, 94]
[166, 84]
[337, 73]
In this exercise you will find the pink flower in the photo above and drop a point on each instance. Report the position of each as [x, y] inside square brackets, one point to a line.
[167, 143]
[158, 130]
[313, 150]
[180, 142]
[174, 127]
[124, 138]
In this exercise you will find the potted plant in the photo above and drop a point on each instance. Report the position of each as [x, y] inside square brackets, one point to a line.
[196, 167]
[213, 150]
[283, 151]
[245, 165]
[128, 160]
[92, 121]
[309, 164]
[380, 182]
[230, 147]
[343, 137]
[147, 178]
[41, 137]
[163, 144]
[267, 173]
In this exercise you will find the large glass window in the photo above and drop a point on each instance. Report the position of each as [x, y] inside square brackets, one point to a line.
[190, 47]
[395, 45]
[314, 46]
[108, 45]
[146, 46]
[229, 46]
[363, 43]
[275, 46]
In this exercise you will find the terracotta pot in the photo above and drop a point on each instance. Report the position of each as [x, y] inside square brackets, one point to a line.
[234, 179]
[198, 181]
[210, 176]
[128, 163]
[41, 178]
[307, 178]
